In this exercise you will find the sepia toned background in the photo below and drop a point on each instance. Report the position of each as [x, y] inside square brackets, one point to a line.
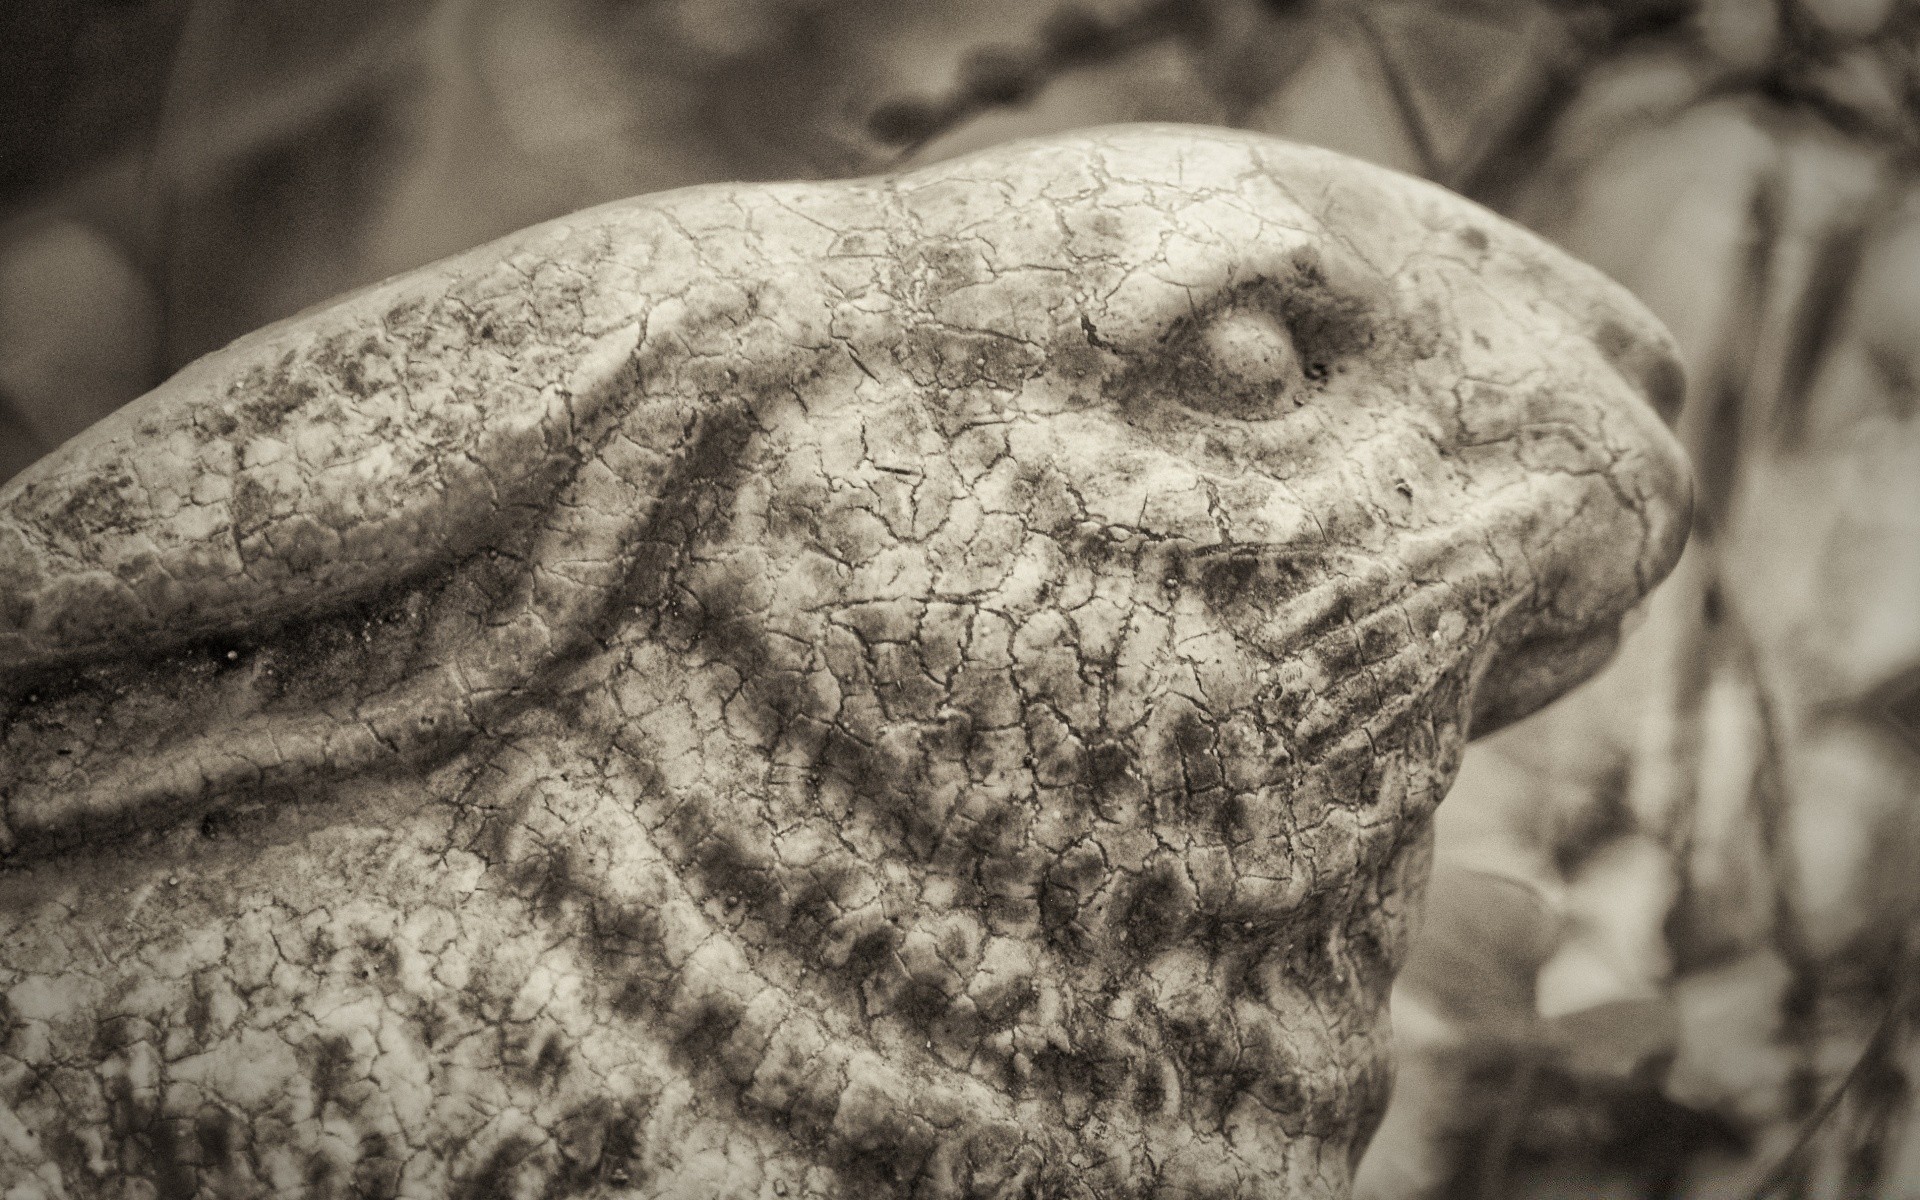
[1674, 931]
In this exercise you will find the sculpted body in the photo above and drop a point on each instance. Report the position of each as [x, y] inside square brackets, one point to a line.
[931, 686]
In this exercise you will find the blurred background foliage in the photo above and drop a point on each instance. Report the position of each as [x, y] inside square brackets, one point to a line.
[1671, 942]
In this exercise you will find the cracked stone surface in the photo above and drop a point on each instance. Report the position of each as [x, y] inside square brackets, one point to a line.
[928, 686]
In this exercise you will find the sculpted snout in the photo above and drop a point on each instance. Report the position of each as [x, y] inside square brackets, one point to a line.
[1599, 431]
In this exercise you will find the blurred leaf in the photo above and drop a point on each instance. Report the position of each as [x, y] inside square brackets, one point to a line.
[1665, 210]
[1162, 81]
[1339, 99]
[1897, 704]
[1615, 948]
[1616, 1039]
[1483, 939]
[1743, 35]
[20, 446]
[77, 327]
[1728, 906]
[1456, 74]
[1733, 1059]
[1848, 18]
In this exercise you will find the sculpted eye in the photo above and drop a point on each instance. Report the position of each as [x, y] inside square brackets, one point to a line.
[1241, 363]
[1253, 347]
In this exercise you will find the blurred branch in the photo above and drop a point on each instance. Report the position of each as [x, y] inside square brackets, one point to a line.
[181, 113]
[1490, 1177]
[999, 76]
[1573, 43]
[1785, 1169]
[1822, 307]
[194, 54]
[1401, 90]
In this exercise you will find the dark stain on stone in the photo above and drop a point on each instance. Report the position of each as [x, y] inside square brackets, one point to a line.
[1065, 889]
[995, 1162]
[550, 1064]
[332, 1068]
[251, 506]
[546, 881]
[320, 1174]
[811, 909]
[1003, 1007]
[320, 945]
[637, 996]
[1083, 1078]
[213, 423]
[735, 875]
[1155, 909]
[889, 781]
[114, 1034]
[1106, 766]
[495, 841]
[624, 1146]
[376, 1174]
[213, 824]
[150, 1145]
[1340, 657]
[700, 1035]
[1227, 579]
[870, 952]
[717, 451]
[1233, 816]
[620, 936]
[1279, 1090]
[496, 1175]
[922, 1002]
[1068, 1078]
[1308, 954]
[1149, 1092]
[379, 958]
[270, 398]
[96, 505]
[69, 1153]
[600, 1143]
[1213, 1072]
[996, 853]
[432, 1022]
[1200, 769]
[1656, 375]
[1370, 956]
[887, 1157]
[1367, 1097]
[1332, 306]
[213, 1131]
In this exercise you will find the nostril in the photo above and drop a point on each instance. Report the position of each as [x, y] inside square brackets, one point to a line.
[1648, 363]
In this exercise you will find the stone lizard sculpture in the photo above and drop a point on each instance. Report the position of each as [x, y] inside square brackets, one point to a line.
[926, 686]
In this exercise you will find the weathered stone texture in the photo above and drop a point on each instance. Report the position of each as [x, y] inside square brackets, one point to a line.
[931, 686]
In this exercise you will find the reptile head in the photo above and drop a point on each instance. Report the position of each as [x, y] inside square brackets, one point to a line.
[981, 646]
